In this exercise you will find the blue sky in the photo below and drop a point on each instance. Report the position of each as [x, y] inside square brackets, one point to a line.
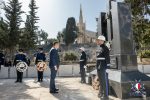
[54, 13]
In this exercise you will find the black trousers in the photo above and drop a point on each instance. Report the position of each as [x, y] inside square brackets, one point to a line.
[103, 79]
[82, 72]
[19, 76]
[40, 75]
[52, 79]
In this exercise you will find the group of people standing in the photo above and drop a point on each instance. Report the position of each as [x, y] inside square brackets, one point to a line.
[41, 57]
[102, 63]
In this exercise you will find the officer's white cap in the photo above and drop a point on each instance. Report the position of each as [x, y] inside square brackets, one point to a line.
[101, 37]
[82, 48]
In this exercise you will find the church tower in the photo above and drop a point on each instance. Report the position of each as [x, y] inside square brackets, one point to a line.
[84, 35]
[81, 16]
[81, 26]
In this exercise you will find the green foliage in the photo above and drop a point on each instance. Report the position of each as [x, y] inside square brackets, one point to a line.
[3, 34]
[51, 41]
[141, 24]
[145, 54]
[70, 56]
[43, 35]
[28, 38]
[33, 15]
[29, 31]
[11, 36]
[139, 7]
[13, 15]
[25, 41]
[60, 36]
[70, 31]
[32, 20]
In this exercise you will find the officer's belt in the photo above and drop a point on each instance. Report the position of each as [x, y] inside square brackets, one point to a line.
[100, 59]
[39, 60]
[108, 64]
[81, 60]
[18, 60]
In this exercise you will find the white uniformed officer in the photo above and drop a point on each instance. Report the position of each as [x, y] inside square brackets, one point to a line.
[103, 62]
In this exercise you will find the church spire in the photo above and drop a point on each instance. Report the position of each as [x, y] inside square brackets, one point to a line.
[81, 16]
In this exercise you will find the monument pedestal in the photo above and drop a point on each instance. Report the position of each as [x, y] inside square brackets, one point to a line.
[124, 68]
[121, 84]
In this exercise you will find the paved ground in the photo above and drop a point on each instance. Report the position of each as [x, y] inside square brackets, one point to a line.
[70, 89]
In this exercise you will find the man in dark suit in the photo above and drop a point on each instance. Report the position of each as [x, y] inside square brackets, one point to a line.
[54, 65]
[40, 57]
[82, 64]
[1, 59]
[20, 57]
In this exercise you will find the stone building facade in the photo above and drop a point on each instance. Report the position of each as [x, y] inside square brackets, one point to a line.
[84, 36]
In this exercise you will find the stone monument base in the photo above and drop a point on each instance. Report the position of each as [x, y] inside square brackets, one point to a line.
[122, 82]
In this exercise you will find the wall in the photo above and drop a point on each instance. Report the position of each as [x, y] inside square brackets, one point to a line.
[64, 71]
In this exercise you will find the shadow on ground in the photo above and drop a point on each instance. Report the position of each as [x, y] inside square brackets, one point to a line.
[14, 91]
[70, 91]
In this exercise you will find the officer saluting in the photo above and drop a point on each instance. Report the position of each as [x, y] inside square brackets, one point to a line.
[40, 57]
[82, 64]
[103, 62]
[20, 57]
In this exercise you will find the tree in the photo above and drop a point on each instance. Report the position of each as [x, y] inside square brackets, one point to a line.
[60, 36]
[44, 36]
[13, 15]
[70, 32]
[140, 9]
[64, 32]
[51, 41]
[27, 38]
[3, 34]
[141, 24]
[33, 19]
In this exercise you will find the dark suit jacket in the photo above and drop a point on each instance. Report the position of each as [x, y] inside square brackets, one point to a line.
[54, 58]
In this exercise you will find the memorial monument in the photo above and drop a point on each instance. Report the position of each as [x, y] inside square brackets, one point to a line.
[125, 80]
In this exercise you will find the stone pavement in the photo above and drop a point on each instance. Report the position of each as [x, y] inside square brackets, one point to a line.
[70, 89]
